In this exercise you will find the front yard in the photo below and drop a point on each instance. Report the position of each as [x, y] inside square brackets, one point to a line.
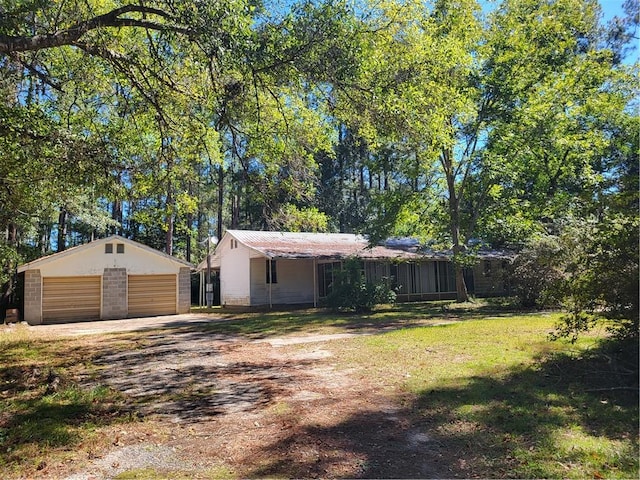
[415, 391]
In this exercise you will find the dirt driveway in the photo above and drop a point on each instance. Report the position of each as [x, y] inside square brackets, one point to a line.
[216, 405]
[125, 325]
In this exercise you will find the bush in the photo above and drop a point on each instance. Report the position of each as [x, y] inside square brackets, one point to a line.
[351, 292]
[536, 272]
[601, 276]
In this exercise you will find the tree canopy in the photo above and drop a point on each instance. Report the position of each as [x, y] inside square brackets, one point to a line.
[168, 121]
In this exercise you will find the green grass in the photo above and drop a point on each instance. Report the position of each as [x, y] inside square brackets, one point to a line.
[484, 383]
[497, 392]
[318, 321]
[43, 410]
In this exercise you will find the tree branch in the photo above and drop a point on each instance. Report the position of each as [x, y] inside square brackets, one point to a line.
[22, 43]
[33, 70]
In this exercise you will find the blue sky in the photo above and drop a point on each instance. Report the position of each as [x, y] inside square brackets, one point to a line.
[611, 8]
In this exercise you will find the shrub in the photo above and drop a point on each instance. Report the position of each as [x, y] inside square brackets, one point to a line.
[536, 272]
[351, 292]
[601, 276]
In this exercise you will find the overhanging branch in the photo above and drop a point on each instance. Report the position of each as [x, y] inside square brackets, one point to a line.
[21, 43]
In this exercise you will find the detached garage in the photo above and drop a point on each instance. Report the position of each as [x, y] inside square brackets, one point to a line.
[109, 278]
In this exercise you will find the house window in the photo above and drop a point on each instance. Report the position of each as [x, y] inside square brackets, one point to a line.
[120, 248]
[413, 277]
[272, 273]
[108, 248]
[326, 277]
[487, 268]
[393, 277]
[446, 277]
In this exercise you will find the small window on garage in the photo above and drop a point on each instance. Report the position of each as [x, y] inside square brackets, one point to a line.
[120, 248]
[108, 248]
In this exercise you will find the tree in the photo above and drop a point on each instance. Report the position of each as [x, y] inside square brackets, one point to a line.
[509, 117]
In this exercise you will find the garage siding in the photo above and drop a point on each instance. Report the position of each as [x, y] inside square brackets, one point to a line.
[151, 295]
[70, 299]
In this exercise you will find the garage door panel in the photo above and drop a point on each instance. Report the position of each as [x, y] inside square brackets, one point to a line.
[152, 295]
[70, 299]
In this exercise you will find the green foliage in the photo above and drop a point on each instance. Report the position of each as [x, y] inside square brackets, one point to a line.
[601, 276]
[292, 219]
[535, 273]
[590, 269]
[350, 290]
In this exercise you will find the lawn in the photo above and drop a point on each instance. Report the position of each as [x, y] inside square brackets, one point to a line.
[487, 389]
[510, 403]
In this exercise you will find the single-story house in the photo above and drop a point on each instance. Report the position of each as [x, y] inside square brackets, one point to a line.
[280, 268]
[109, 278]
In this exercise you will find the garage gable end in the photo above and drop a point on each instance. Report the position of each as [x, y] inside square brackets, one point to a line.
[109, 278]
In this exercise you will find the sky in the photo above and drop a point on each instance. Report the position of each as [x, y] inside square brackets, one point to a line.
[611, 8]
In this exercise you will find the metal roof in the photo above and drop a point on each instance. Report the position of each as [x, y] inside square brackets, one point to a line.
[317, 245]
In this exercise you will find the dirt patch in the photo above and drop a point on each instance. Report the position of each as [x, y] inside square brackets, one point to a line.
[281, 408]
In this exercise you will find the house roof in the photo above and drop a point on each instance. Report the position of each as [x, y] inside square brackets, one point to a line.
[335, 246]
[80, 248]
[319, 245]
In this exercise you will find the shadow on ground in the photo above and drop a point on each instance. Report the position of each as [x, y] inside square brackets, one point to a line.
[533, 423]
[512, 426]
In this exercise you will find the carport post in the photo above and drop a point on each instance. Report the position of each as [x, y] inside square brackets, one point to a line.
[209, 289]
[270, 262]
[315, 282]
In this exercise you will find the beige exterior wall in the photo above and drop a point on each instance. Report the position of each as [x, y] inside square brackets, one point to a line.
[114, 293]
[113, 268]
[93, 261]
[295, 282]
[184, 290]
[33, 297]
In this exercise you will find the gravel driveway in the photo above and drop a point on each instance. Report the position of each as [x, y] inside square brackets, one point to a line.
[211, 404]
[127, 324]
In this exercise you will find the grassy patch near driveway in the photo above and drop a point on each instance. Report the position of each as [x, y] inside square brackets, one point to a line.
[44, 413]
[479, 388]
[501, 401]
[318, 321]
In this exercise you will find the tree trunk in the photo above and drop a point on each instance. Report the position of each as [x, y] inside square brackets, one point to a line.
[116, 214]
[220, 201]
[189, 225]
[62, 229]
[170, 222]
[44, 238]
[454, 224]
[7, 289]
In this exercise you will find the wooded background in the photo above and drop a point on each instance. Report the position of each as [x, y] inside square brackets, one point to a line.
[454, 121]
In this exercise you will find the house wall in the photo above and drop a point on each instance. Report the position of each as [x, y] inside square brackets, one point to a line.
[234, 273]
[295, 282]
[33, 297]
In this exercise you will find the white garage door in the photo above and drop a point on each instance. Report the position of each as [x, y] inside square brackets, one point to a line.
[70, 299]
[152, 295]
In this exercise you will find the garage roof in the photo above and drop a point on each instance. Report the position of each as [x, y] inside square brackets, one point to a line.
[80, 248]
